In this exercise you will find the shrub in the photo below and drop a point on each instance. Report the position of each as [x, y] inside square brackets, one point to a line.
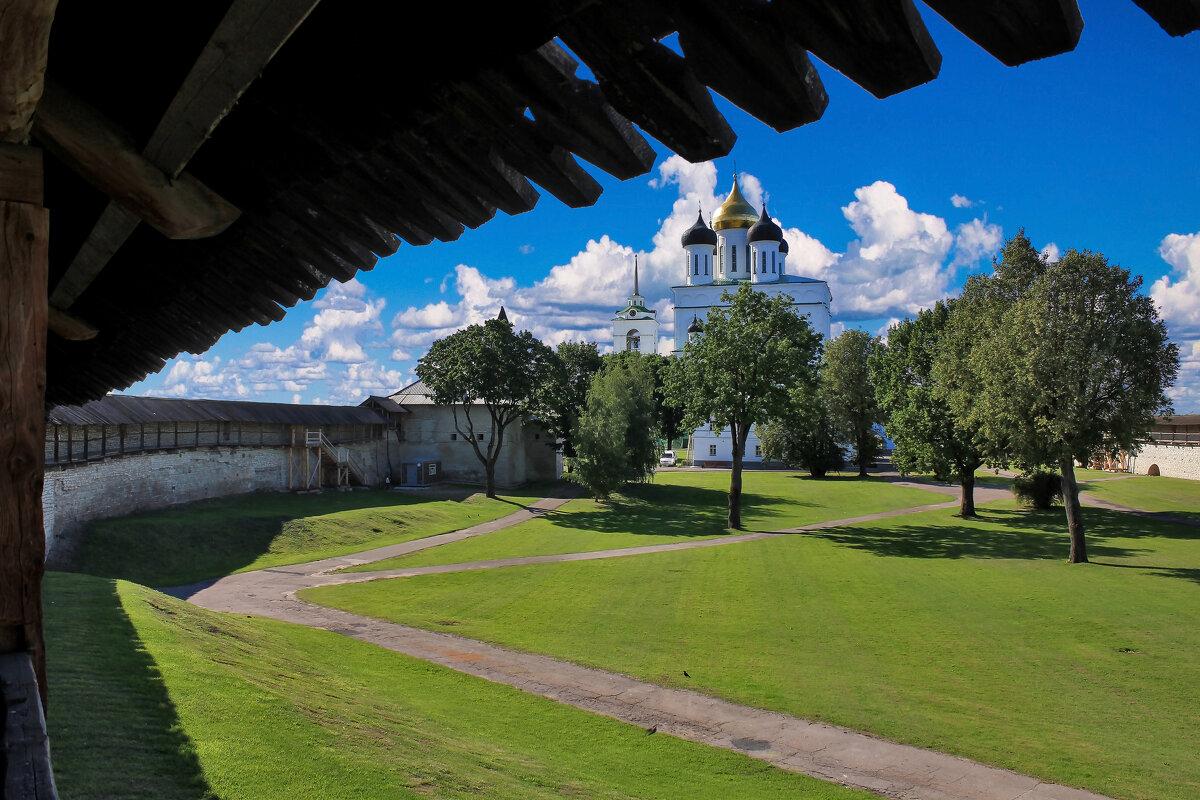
[1040, 489]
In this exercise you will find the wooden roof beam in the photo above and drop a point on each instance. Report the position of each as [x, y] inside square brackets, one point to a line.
[25, 32]
[740, 52]
[648, 83]
[573, 113]
[104, 155]
[1176, 17]
[1016, 31]
[882, 45]
[248, 36]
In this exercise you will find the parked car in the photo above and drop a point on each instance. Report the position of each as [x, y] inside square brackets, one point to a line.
[668, 459]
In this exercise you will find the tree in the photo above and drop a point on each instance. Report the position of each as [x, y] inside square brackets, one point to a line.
[742, 371]
[846, 386]
[616, 435]
[487, 365]
[928, 436]
[567, 391]
[1056, 361]
[669, 416]
[804, 436]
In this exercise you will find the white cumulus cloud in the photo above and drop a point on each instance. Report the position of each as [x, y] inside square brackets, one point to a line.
[958, 201]
[1177, 295]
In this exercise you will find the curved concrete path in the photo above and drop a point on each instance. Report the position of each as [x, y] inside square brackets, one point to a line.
[823, 751]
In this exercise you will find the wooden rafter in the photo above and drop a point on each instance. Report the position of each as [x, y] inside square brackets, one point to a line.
[249, 35]
[24, 45]
[179, 207]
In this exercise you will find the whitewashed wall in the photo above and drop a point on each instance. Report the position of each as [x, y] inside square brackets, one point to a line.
[1172, 461]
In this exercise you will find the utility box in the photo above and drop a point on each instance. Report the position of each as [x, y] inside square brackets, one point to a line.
[421, 472]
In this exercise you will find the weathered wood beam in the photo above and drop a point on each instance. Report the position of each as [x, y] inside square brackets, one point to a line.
[1176, 17]
[1016, 31]
[649, 83]
[69, 326]
[25, 38]
[24, 239]
[573, 113]
[882, 45]
[249, 35]
[104, 155]
[521, 143]
[112, 229]
[24, 747]
[741, 53]
[21, 173]
[247, 38]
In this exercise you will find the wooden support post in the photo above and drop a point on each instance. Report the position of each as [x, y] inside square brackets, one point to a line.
[24, 232]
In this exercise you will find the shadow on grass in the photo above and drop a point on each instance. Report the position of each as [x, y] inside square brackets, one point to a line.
[995, 533]
[207, 538]
[1185, 573]
[673, 510]
[113, 728]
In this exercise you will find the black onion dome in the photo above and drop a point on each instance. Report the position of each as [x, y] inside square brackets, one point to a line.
[783, 247]
[765, 230]
[699, 233]
[696, 326]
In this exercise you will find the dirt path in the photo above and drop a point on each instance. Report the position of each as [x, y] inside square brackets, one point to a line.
[822, 751]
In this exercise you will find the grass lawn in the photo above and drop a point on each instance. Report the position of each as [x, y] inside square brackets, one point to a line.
[153, 698]
[1175, 496]
[973, 637]
[678, 506]
[210, 538]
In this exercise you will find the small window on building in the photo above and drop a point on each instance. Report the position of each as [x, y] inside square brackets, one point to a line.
[453, 437]
[432, 470]
[733, 263]
[772, 262]
[712, 449]
[706, 264]
[763, 267]
[537, 436]
[758, 450]
[695, 264]
[480, 437]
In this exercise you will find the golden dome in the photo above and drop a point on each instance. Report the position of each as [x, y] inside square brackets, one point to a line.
[735, 212]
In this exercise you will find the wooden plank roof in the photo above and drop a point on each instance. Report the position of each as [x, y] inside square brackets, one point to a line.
[124, 410]
[270, 146]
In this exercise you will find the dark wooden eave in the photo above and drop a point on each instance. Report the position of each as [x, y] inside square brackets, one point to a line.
[325, 135]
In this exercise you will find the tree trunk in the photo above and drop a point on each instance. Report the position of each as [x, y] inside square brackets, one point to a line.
[862, 461]
[1070, 490]
[23, 275]
[735, 479]
[489, 470]
[966, 479]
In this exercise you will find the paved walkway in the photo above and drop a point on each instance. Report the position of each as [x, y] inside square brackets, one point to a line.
[823, 751]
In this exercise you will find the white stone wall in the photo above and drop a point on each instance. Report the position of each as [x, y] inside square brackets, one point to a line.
[1172, 461]
[117, 486]
[82, 492]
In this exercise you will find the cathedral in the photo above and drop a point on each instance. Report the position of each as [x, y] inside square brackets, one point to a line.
[741, 246]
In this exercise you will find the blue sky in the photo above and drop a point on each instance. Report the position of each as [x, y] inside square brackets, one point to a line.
[894, 202]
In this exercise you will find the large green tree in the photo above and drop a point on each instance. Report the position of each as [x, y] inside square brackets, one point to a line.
[742, 370]
[491, 377]
[566, 392]
[804, 436]
[928, 436]
[1052, 362]
[615, 439]
[849, 394]
[670, 416]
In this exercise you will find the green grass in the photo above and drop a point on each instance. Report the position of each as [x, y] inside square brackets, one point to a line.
[154, 698]
[209, 538]
[1175, 496]
[968, 636]
[678, 506]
